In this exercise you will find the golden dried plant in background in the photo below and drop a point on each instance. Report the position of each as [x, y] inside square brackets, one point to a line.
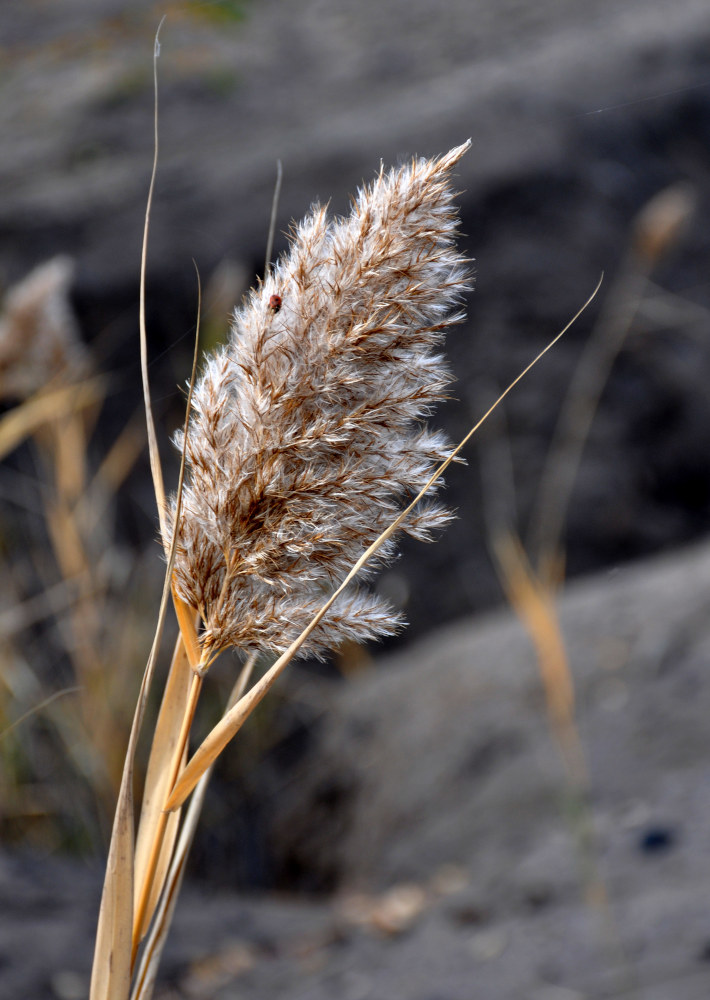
[39, 334]
[46, 371]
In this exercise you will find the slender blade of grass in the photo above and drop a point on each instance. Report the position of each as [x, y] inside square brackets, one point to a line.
[37, 709]
[534, 602]
[188, 631]
[170, 740]
[232, 722]
[113, 954]
[111, 973]
[150, 959]
[155, 466]
[272, 220]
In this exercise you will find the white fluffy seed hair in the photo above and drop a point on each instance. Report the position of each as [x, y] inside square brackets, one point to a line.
[306, 436]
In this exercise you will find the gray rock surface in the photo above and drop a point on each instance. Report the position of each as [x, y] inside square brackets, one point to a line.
[451, 736]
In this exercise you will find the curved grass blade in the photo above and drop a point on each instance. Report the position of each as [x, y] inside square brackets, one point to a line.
[155, 466]
[111, 971]
[170, 740]
[232, 722]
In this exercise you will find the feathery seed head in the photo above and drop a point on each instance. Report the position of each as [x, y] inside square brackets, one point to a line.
[39, 334]
[306, 435]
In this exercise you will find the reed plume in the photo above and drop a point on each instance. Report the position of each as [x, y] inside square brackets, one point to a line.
[39, 335]
[307, 431]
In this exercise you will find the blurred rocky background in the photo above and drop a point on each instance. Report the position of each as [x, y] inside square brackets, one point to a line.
[426, 797]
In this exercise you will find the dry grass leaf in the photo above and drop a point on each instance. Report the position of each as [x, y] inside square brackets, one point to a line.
[165, 739]
[28, 417]
[111, 972]
[534, 603]
[232, 722]
[122, 455]
[114, 954]
[155, 942]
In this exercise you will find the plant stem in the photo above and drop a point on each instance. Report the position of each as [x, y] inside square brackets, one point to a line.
[156, 848]
[155, 940]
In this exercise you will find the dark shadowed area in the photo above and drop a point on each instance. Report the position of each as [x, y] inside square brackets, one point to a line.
[413, 821]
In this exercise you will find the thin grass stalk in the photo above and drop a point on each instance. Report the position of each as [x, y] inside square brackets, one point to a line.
[272, 220]
[152, 865]
[155, 466]
[225, 730]
[534, 604]
[157, 779]
[111, 972]
[91, 720]
[161, 846]
[155, 942]
[114, 953]
[186, 623]
[533, 600]
[580, 404]
[657, 227]
[37, 709]
[111, 473]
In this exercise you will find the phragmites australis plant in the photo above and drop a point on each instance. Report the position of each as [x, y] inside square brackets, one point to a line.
[305, 449]
[306, 430]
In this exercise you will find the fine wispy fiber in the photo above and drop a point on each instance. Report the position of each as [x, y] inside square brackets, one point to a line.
[306, 436]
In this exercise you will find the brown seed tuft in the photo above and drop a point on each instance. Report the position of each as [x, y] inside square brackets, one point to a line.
[307, 430]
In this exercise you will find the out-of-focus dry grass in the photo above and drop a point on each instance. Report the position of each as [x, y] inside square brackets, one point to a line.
[532, 582]
[72, 615]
